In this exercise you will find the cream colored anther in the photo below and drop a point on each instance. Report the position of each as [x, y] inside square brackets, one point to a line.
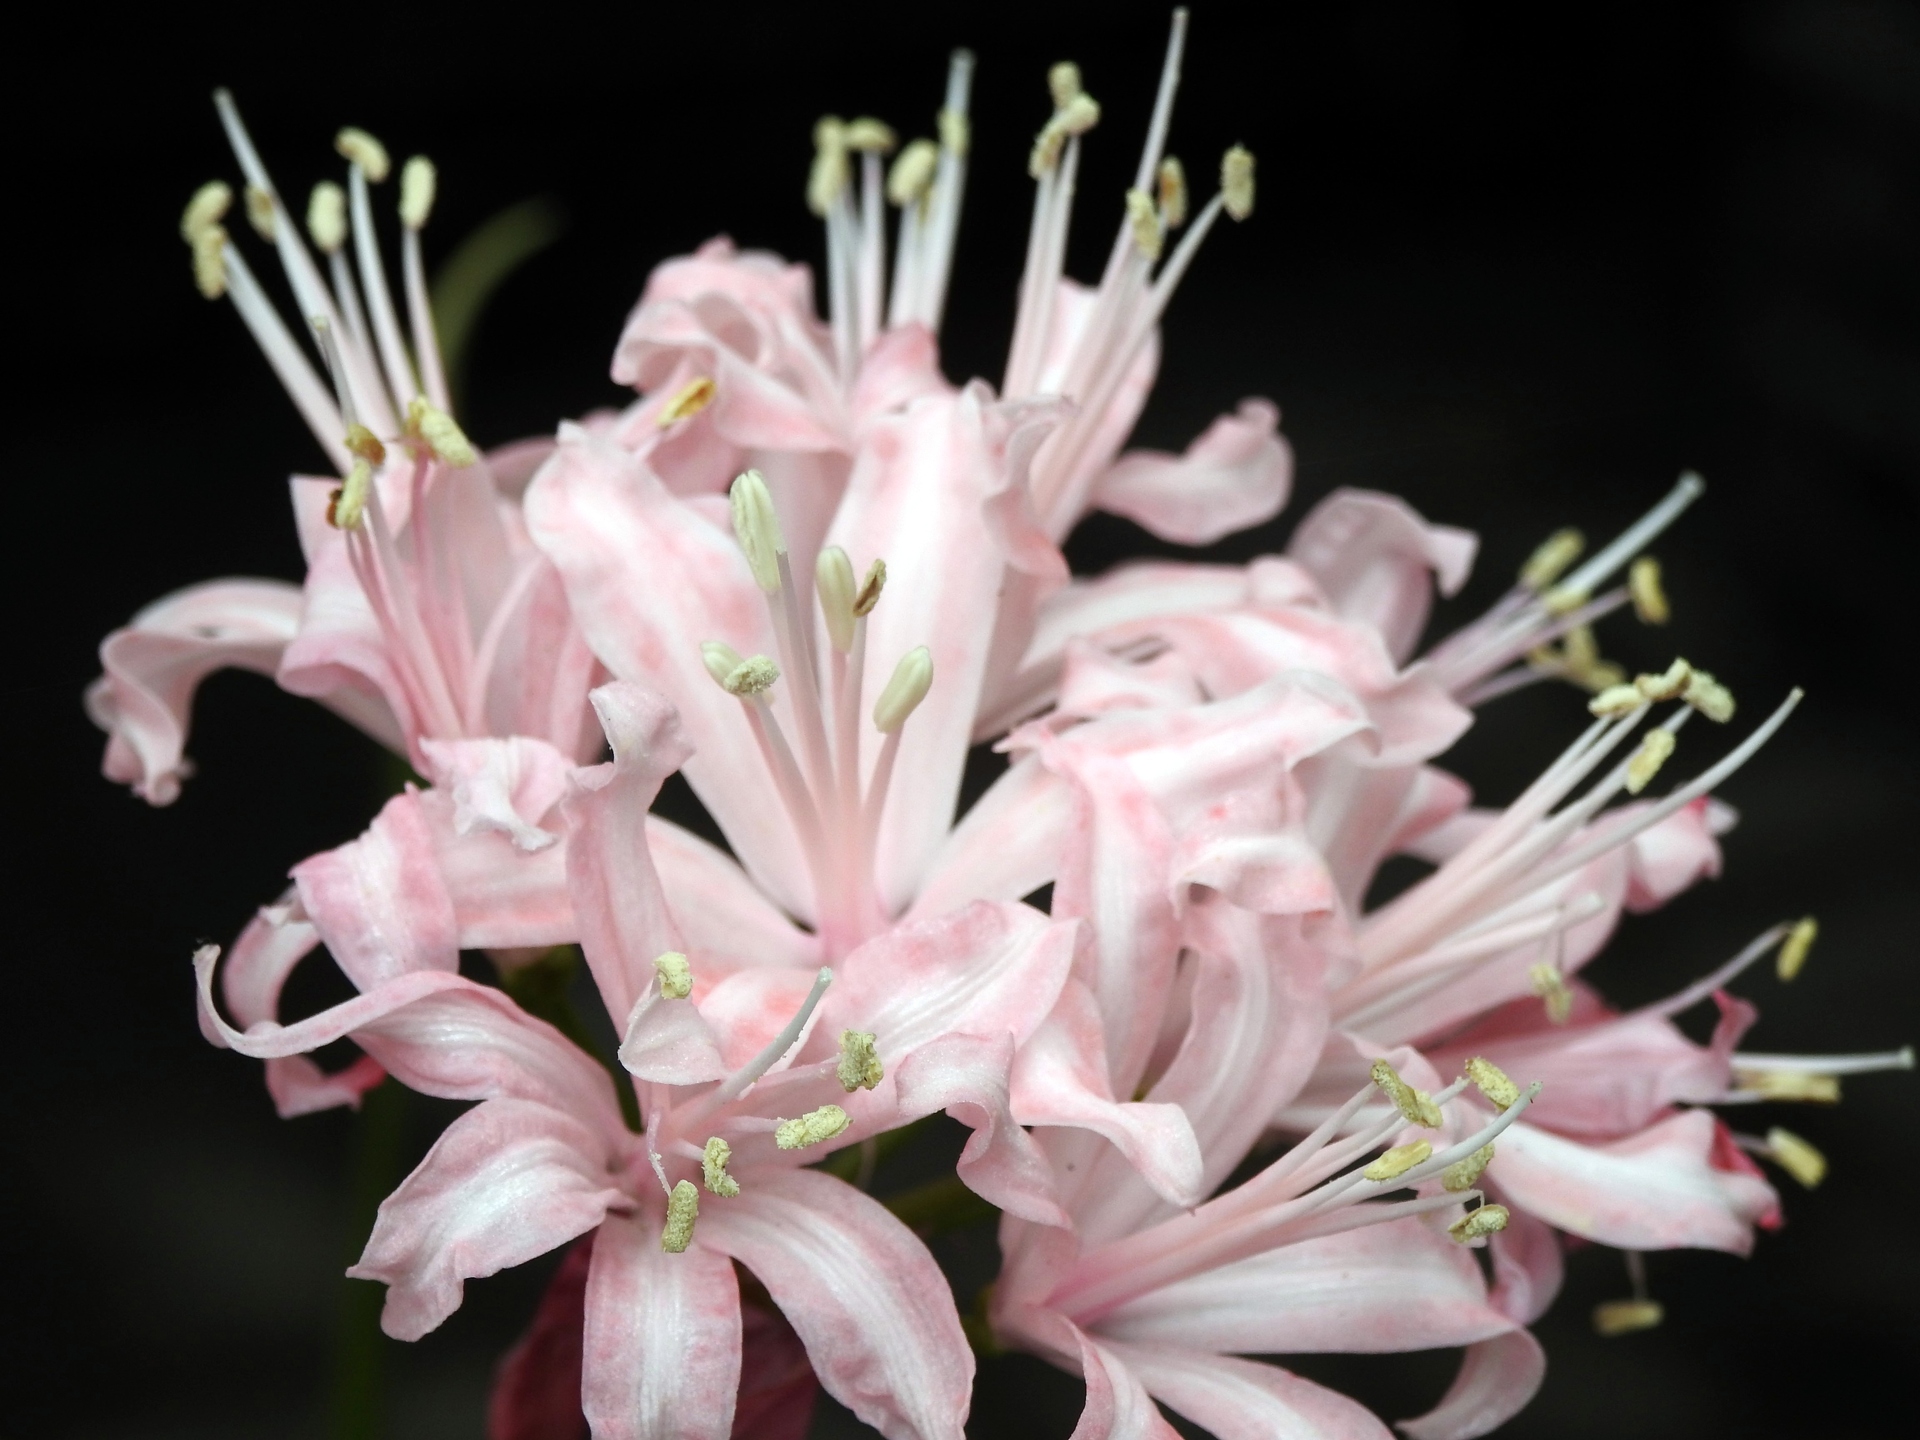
[1796, 1157]
[260, 212]
[1463, 1174]
[1551, 986]
[1669, 686]
[210, 261]
[1171, 181]
[327, 217]
[757, 526]
[752, 676]
[721, 660]
[859, 1067]
[348, 506]
[689, 400]
[440, 433]
[1076, 117]
[360, 148]
[813, 1128]
[1793, 953]
[1063, 83]
[1649, 597]
[956, 133]
[911, 680]
[1656, 747]
[911, 177]
[1797, 1085]
[1622, 1317]
[1491, 1081]
[1144, 223]
[683, 1208]
[676, 975]
[1416, 1105]
[833, 583]
[206, 209]
[713, 1169]
[829, 174]
[868, 595]
[1397, 1161]
[1487, 1220]
[1617, 700]
[418, 182]
[1551, 559]
[1236, 182]
[1709, 697]
[867, 135]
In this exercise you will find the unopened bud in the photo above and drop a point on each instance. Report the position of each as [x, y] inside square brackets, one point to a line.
[1654, 751]
[418, 181]
[1415, 1105]
[1236, 182]
[833, 583]
[327, 217]
[683, 1208]
[1487, 1220]
[713, 1169]
[1397, 1161]
[1649, 599]
[206, 209]
[1793, 954]
[912, 678]
[1796, 1157]
[813, 1128]
[676, 975]
[757, 527]
[260, 216]
[859, 1067]
[912, 174]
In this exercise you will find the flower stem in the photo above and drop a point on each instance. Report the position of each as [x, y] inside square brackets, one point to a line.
[359, 1347]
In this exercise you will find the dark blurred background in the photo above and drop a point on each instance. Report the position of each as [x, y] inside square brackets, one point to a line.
[1518, 264]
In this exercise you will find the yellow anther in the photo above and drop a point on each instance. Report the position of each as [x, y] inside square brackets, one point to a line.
[1550, 561]
[363, 442]
[1649, 598]
[1397, 1161]
[752, 676]
[210, 261]
[689, 400]
[1491, 1081]
[1617, 700]
[911, 176]
[870, 135]
[812, 1128]
[327, 216]
[676, 975]
[1487, 1220]
[1656, 747]
[859, 1067]
[1565, 599]
[757, 526]
[1668, 686]
[1171, 181]
[1579, 660]
[1796, 1157]
[833, 584]
[1076, 117]
[868, 595]
[348, 505]
[418, 182]
[1063, 83]
[1709, 697]
[1623, 1317]
[1551, 987]
[1144, 222]
[1797, 1085]
[1462, 1174]
[360, 148]
[683, 1208]
[956, 134]
[1236, 182]
[713, 1169]
[1793, 954]
[438, 431]
[206, 209]
[911, 680]
[720, 658]
[1416, 1105]
[260, 212]
[829, 174]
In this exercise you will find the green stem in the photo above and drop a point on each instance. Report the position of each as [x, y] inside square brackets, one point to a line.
[359, 1346]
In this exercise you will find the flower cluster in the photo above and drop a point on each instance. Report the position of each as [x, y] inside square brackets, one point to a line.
[1224, 1105]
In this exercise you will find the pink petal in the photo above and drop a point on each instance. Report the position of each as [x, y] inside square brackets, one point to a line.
[1671, 856]
[503, 897]
[721, 914]
[1373, 556]
[506, 786]
[871, 1306]
[380, 901]
[156, 662]
[902, 365]
[1117, 1405]
[505, 1182]
[661, 1353]
[668, 1042]
[536, 1386]
[1235, 474]
[1497, 1378]
[1244, 1400]
[1527, 1267]
[1005, 847]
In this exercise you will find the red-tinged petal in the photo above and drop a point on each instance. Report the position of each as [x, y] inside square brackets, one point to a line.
[1374, 555]
[617, 901]
[1238, 1399]
[1497, 1378]
[536, 1387]
[966, 1076]
[1236, 473]
[300, 1087]
[506, 786]
[275, 940]
[722, 915]
[1006, 847]
[507, 1181]
[1527, 1267]
[1652, 1191]
[380, 902]
[661, 1354]
[1387, 1287]
[871, 1306]
[667, 1041]
[144, 701]
[747, 1009]
[1118, 1406]
[1060, 1078]
[268, 1039]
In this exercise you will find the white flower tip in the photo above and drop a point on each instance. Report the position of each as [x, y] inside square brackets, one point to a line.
[327, 217]
[1793, 953]
[1415, 1105]
[1650, 605]
[1491, 1081]
[1063, 83]
[911, 680]
[911, 177]
[1551, 558]
[432, 427]
[757, 526]
[1143, 222]
[721, 660]
[833, 583]
[689, 400]
[206, 209]
[1397, 1161]
[870, 136]
[813, 1128]
[1236, 182]
[1464, 1174]
[753, 676]
[676, 975]
[360, 148]
[1623, 1317]
[418, 183]
[683, 1208]
[1655, 750]
[1171, 181]
[713, 1169]
[1551, 986]
[1795, 1156]
[1486, 1220]
[260, 212]
[859, 1067]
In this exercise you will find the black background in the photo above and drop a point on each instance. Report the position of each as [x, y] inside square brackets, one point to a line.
[1520, 265]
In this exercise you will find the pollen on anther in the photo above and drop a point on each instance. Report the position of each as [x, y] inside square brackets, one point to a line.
[912, 174]
[440, 433]
[360, 148]
[1416, 1105]
[1144, 223]
[1796, 1157]
[210, 261]
[1655, 750]
[689, 400]
[1615, 701]
[349, 503]
[1551, 986]
[418, 182]
[1552, 557]
[206, 209]
[1487, 1220]
[683, 1208]
[1668, 686]
[1797, 1085]
[1649, 598]
[327, 216]
[1462, 1174]
[1063, 83]
[753, 676]
[868, 595]
[1793, 953]
[713, 1169]
[260, 212]
[859, 1067]
[1623, 1317]
[868, 135]
[813, 1128]
[1171, 183]
[676, 975]
[1491, 1081]
[1709, 697]
[1236, 182]
[1397, 1161]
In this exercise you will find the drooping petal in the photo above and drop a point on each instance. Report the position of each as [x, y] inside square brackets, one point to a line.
[1245, 1400]
[380, 901]
[1497, 1378]
[1235, 474]
[1118, 1406]
[1374, 556]
[661, 1350]
[506, 786]
[866, 1298]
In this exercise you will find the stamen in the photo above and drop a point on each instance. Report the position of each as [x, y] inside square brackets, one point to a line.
[1145, 225]
[327, 217]
[676, 975]
[736, 1083]
[1637, 536]
[912, 678]
[417, 186]
[753, 676]
[1236, 182]
[1656, 747]
[1709, 697]
[260, 212]
[911, 177]
[1612, 1318]
[721, 660]
[1795, 1156]
[1649, 599]
[206, 209]
[1463, 1174]
[210, 261]
[363, 442]
[813, 1128]
[439, 432]
[833, 583]
[1793, 954]
[683, 1208]
[713, 1168]
[830, 174]
[1551, 986]
[1550, 560]
[1171, 183]
[347, 506]
[1079, 115]
[1416, 1105]
[1670, 686]
[859, 1067]
[758, 528]
[360, 148]
[1397, 1161]
[1616, 700]
[868, 595]
[1063, 83]
[870, 136]
[1491, 1081]
[1790, 1085]
[1487, 1220]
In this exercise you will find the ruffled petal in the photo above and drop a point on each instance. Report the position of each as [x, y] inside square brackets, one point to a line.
[1235, 474]
[1373, 555]
[381, 902]
[1118, 1406]
[1238, 1399]
[1497, 1378]
[506, 786]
